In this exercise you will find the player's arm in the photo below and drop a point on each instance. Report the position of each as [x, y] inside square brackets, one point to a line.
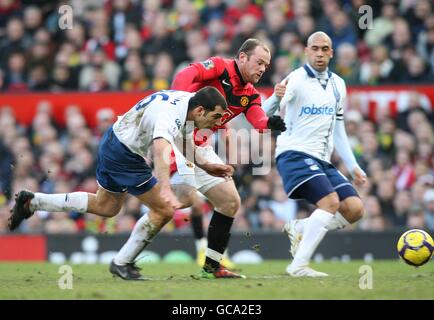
[214, 169]
[271, 105]
[164, 134]
[344, 151]
[162, 150]
[259, 120]
[198, 72]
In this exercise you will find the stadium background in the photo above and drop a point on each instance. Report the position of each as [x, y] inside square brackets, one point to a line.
[60, 89]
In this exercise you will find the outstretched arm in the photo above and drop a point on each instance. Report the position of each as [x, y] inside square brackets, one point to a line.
[214, 169]
[271, 105]
[344, 150]
[259, 120]
[162, 150]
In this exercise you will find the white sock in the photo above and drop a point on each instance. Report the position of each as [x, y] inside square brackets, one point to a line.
[201, 244]
[60, 202]
[301, 224]
[314, 231]
[338, 222]
[140, 238]
[216, 256]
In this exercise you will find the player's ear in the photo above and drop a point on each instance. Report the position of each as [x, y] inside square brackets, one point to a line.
[199, 111]
[243, 56]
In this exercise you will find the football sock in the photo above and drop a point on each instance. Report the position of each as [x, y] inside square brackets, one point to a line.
[201, 244]
[300, 224]
[140, 238]
[60, 202]
[314, 231]
[197, 226]
[338, 222]
[218, 238]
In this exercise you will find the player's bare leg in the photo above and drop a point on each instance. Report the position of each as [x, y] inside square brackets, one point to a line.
[104, 203]
[198, 233]
[314, 231]
[226, 201]
[146, 228]
[351, 210]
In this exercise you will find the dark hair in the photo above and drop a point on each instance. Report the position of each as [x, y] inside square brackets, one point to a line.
[249, 45]
[208, 97]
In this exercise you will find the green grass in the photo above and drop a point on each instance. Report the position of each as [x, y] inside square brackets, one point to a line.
[391, 280]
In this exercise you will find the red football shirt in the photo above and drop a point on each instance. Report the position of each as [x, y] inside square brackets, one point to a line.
[224, 75]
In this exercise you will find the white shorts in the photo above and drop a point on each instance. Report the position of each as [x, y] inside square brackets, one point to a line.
[200, 180]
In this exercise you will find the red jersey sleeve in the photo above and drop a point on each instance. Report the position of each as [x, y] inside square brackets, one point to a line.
[198, 72]
[256, 115]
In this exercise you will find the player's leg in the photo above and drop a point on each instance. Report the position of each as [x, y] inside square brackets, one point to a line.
[226, 201]
[351, 206]
[198, 232]
[303, 178]
[104, 203]
[316, 226]
[351, 209]
[140, 237]
[160, 212]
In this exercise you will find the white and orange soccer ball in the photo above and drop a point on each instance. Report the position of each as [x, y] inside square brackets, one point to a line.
[415, 247]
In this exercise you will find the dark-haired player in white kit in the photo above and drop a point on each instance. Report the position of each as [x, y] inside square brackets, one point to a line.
[151, 126]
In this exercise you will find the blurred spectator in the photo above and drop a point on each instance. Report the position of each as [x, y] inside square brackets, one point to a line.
[346, 64]
[100, 74]
[213, 10]
[373, 219]
[379, 69]
[382, 26]
[404, 171]
[16, 75]
[340, 30]
[428, 208]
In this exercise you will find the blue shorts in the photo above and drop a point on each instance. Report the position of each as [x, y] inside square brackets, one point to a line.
[306, 177]
[120, 170]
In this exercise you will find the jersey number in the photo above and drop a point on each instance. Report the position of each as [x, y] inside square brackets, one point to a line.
[143, 103]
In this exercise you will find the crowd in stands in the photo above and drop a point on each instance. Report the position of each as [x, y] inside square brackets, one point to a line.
[130, 45]
[136, 45]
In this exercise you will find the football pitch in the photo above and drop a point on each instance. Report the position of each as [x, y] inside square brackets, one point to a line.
[352, 280]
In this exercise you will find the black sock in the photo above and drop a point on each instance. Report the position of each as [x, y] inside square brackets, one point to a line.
[197, 226]
[218, 238]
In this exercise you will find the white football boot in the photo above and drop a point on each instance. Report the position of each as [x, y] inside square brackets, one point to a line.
[293, 235]
[304, 271]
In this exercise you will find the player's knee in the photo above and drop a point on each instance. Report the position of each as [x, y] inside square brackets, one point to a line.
[165, 212]
[231, 206]
[357, 211]
[109, 211]
[188, 200]
[332, 204]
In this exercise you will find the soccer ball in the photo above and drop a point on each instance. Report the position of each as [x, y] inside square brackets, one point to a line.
[415, 247]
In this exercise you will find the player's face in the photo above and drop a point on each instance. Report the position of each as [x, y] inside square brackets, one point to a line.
[208, 120]
[253, 67]
[319, 52]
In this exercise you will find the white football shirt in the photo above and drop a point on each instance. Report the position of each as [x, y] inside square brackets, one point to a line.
[162, 114]
[310, 108]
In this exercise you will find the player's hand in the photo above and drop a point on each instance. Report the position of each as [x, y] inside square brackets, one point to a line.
[168, 196]
[359, 177]
[280, 88]
[218, 170]
[276, 123]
